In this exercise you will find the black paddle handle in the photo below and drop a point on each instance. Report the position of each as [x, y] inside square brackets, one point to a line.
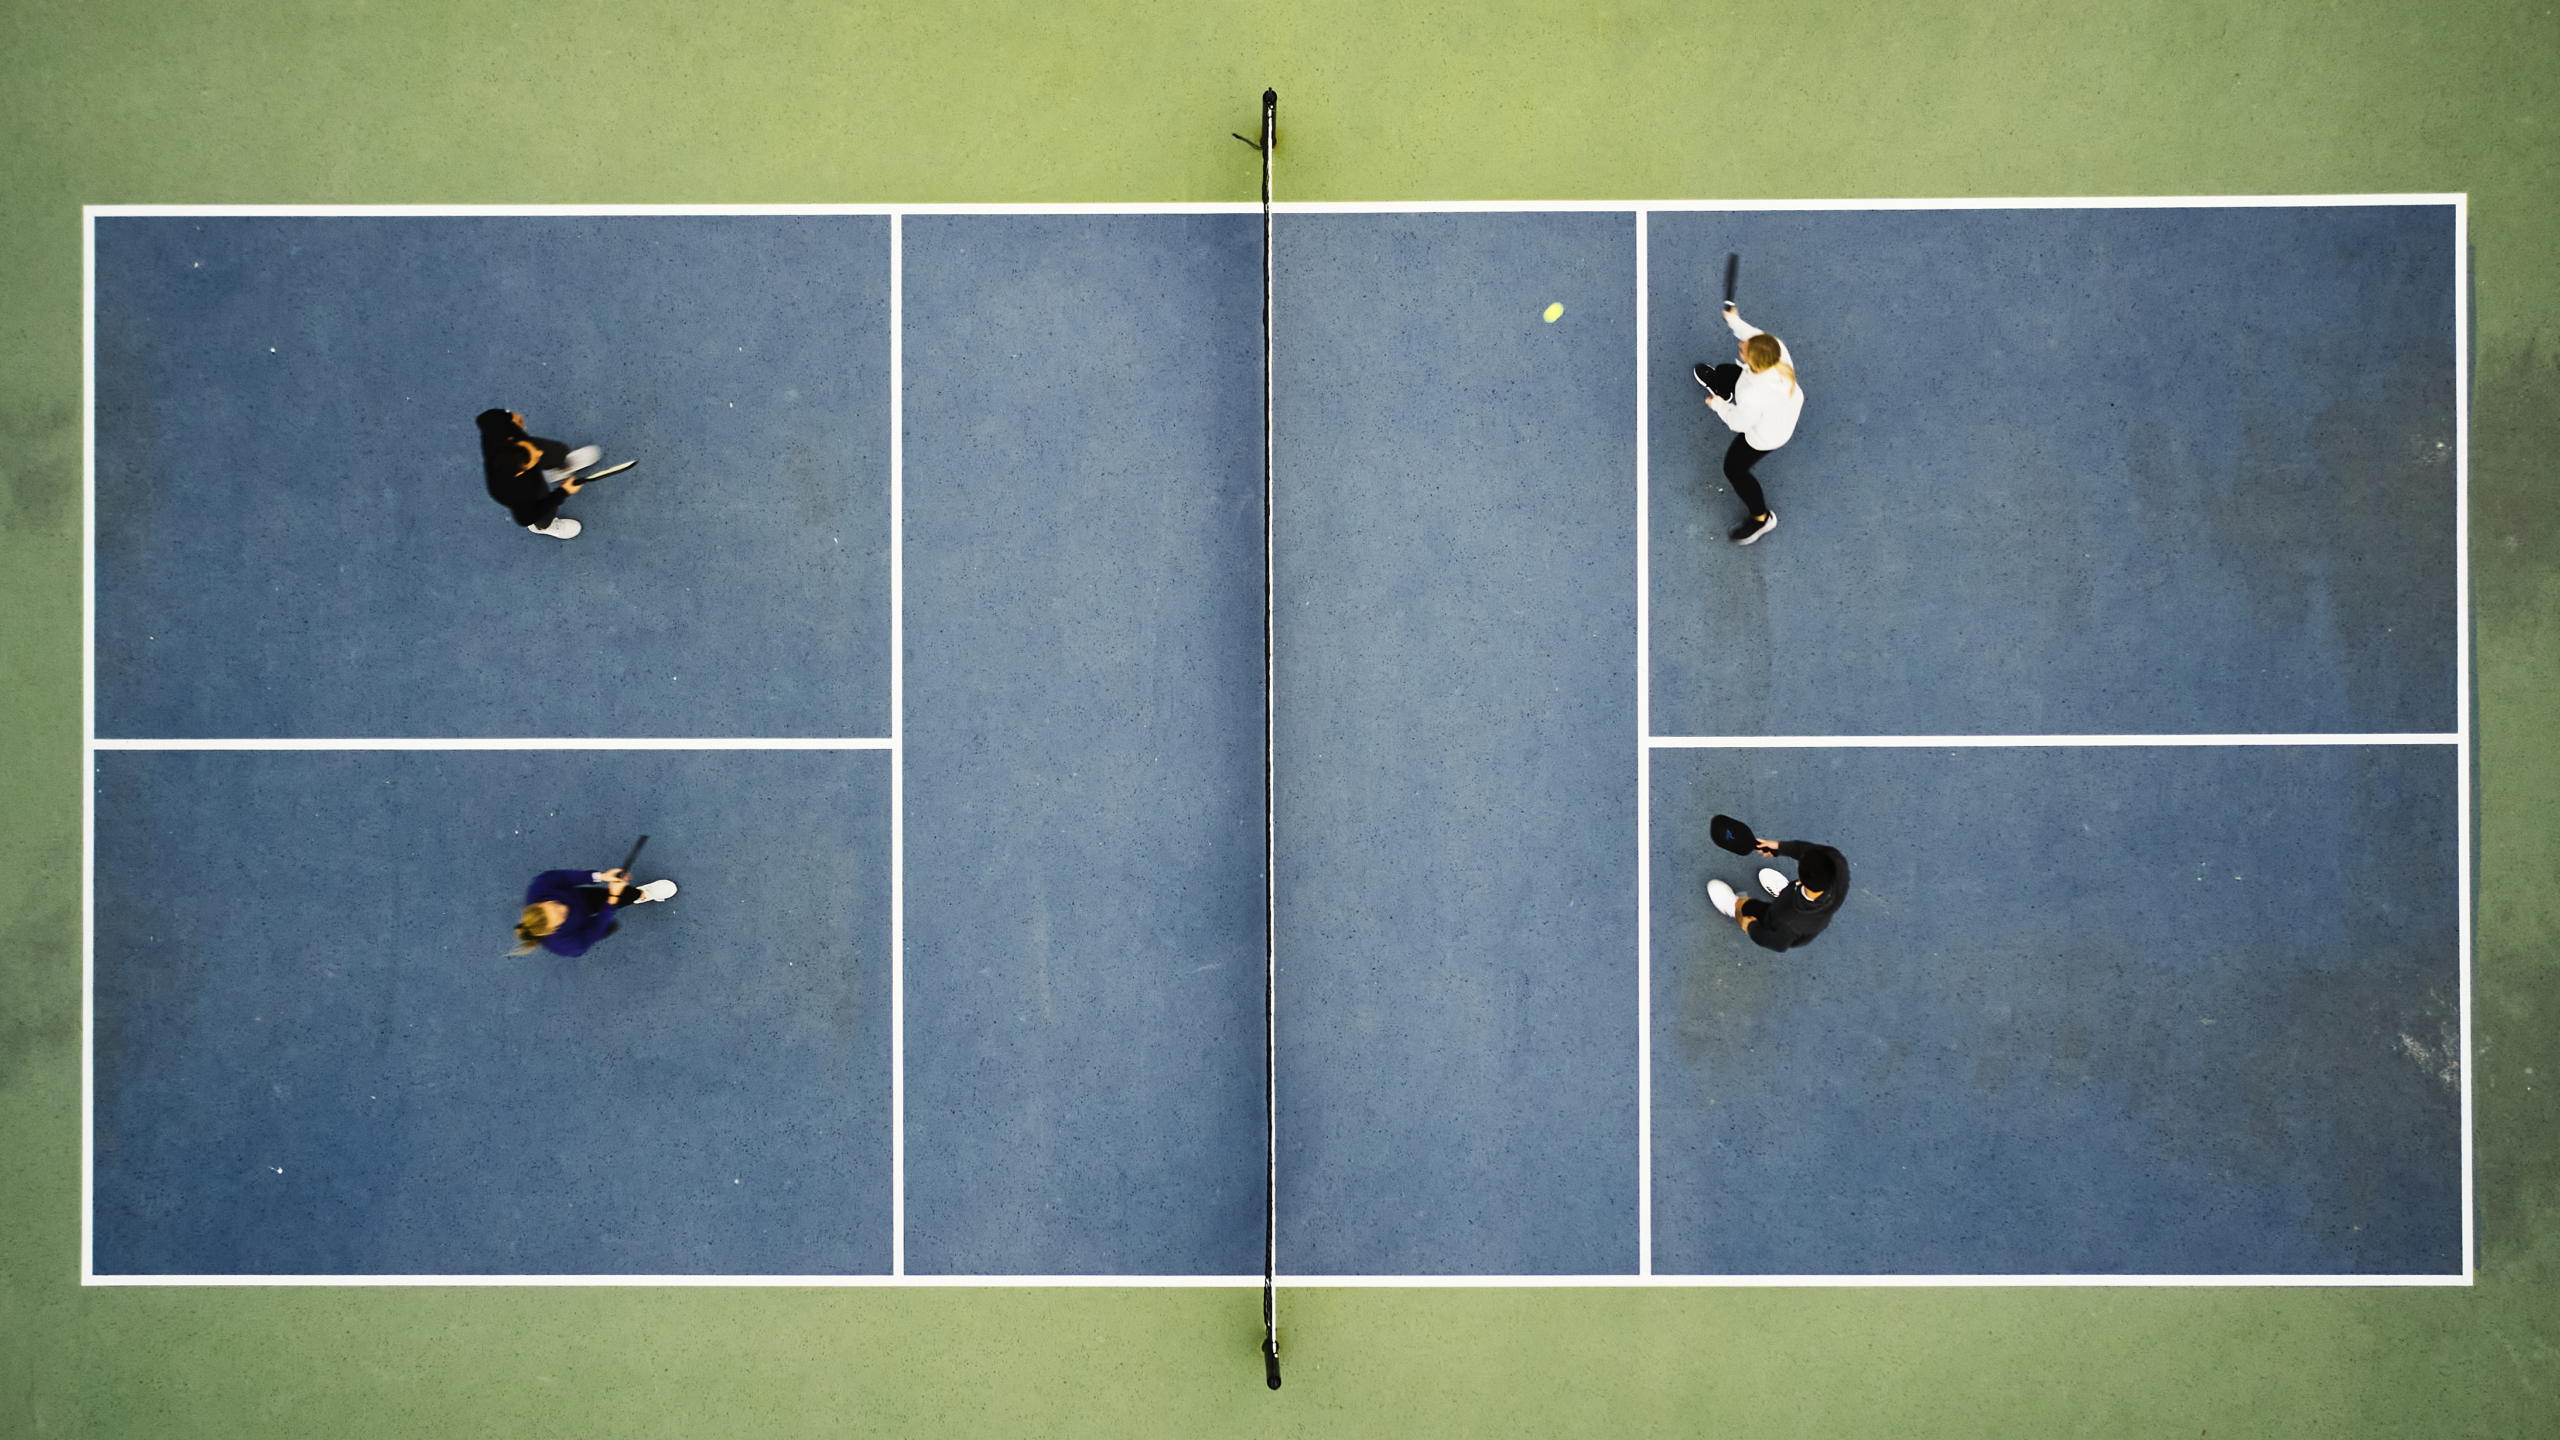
[1732, 272]
[629, 860]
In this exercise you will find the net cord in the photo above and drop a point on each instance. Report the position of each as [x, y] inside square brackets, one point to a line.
[1270, 817]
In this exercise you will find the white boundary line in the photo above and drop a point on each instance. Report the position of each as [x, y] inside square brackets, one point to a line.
[2085, 202]
[88, 739]
[2462, 681]
[1644, 756]
[601, 742]
[535, 212]
[897, 747]
[2024, 742]
[1298, 207]
[893, 743]
[1322, 1282]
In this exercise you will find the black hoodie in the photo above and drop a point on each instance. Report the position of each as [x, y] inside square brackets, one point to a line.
[515, 473]
[1791, 919]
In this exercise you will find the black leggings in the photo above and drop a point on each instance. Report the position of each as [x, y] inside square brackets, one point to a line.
[1739, 457]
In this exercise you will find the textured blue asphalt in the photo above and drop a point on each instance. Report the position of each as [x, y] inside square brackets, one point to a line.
[2114, 1011]
[1084, 731]
[2075, 471]
[293, 534]
[2064, 471]
[314, 1055]
[1457, 745]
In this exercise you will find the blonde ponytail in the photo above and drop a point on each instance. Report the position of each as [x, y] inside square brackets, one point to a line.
[531, 926]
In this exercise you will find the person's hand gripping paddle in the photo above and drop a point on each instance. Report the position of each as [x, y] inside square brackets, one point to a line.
[624, 869]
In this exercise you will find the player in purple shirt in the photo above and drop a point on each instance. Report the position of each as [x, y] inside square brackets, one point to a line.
[565, 911]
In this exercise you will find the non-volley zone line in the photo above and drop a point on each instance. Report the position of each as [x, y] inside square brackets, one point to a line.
[2025, 742]
[838, 742]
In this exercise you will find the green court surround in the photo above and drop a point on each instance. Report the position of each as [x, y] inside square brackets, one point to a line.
[481, 103]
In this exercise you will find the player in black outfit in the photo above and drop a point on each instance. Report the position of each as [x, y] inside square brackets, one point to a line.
[528, 474]
[1797, 910]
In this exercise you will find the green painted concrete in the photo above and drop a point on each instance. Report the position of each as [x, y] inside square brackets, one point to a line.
[369, 102]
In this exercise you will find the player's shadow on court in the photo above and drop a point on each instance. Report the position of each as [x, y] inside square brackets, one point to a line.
[1731, 993]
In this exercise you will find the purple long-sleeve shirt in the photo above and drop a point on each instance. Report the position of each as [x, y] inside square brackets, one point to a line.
[590, 916]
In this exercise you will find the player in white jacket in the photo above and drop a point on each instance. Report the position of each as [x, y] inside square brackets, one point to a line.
[1759, 401]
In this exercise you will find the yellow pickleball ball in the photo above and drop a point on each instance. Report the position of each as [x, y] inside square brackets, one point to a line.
[1555, 312]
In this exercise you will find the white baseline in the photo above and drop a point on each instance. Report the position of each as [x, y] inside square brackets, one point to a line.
[2000, 742]
[1303, 1282]
[540, 742]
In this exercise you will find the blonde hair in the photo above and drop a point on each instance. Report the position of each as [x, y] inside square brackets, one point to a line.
[531, 926]
[1763, 350]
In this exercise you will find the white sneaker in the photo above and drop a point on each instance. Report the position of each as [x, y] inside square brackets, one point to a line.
[1721, 896]
[1773, 882]
[658, 890]
[584, 456]
[560, 528]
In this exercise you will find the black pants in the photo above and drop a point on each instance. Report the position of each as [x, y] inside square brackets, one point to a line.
[1739, 457]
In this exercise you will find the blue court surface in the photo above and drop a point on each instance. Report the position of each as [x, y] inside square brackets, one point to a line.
[2065, 472]
[315, 1054]
[938, 667]
[1457, 926]
[293, 538]
[2183, 1010]
[1084, 745]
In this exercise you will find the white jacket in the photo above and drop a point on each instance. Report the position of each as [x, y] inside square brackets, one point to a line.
[1765, 403]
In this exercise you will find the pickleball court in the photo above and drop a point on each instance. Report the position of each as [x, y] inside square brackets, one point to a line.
[2113, 628]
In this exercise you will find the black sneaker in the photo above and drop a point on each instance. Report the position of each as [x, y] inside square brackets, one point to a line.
[1750, 530]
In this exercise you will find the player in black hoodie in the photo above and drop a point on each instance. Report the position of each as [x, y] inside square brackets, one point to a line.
[1795, 911]
[530, 475]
